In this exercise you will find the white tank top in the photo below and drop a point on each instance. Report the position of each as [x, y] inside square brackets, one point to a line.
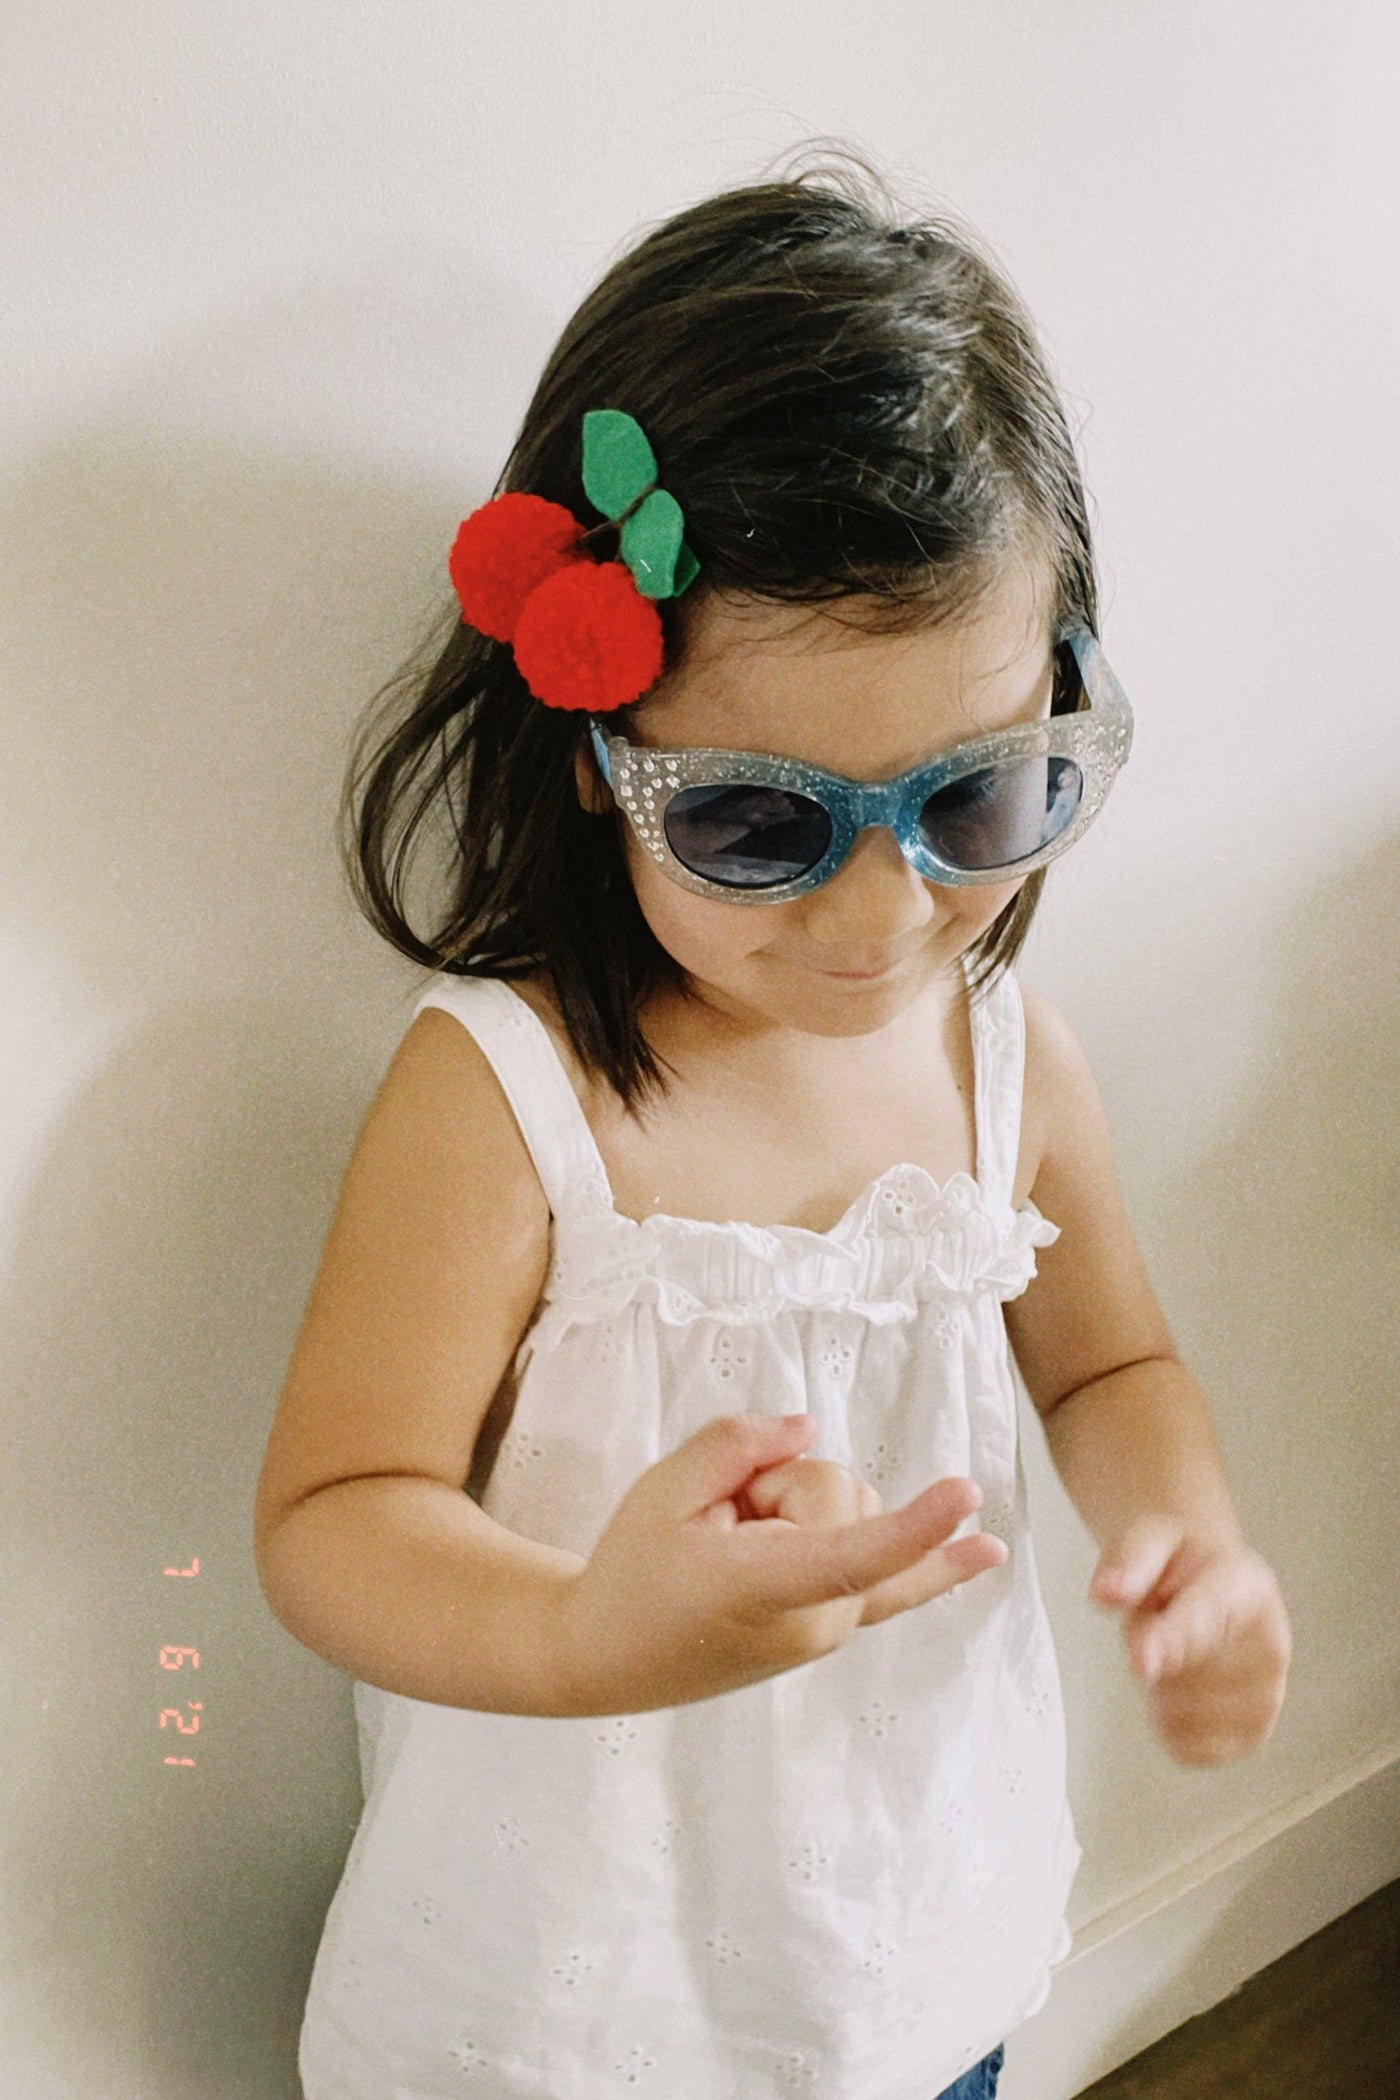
[846, 1882]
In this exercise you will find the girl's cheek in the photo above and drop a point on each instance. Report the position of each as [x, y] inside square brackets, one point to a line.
[695, 930]
[979, 906]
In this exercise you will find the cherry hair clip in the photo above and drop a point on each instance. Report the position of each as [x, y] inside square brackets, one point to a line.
[585, 634]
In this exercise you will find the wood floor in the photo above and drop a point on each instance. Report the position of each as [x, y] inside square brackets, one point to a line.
[1321, 2024]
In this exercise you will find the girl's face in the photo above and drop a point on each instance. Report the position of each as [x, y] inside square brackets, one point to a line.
[847, 957]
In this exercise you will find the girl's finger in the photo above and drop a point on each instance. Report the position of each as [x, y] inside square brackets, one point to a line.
[718, 1459]
[803, 1566]
[1130, 1569]
[810, 1491]
[1198, 1621]
[765, 1490]
[934, 1575]
[979, 1550]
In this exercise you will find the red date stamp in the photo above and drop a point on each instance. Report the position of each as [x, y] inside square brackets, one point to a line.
[185, 1720]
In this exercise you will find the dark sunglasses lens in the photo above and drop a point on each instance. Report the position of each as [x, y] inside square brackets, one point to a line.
[1002, 814]
[747, 837]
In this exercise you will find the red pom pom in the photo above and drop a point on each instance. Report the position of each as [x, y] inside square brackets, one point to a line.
[587, 637]
[505, 550]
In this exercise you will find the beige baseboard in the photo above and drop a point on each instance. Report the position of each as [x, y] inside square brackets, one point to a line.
[1188, 1940]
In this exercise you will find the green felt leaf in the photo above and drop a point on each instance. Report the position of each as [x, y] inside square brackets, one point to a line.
[651, 543]
[618, 463]
[687, 569]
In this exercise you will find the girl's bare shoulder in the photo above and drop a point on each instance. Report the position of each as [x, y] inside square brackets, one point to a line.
[1056, 1069]
[1053, 1050]
[433, 1263]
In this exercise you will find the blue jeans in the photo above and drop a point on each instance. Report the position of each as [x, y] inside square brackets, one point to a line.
[980, 2083]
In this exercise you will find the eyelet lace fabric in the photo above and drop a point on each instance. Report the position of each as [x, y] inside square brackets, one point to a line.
[847, 1881]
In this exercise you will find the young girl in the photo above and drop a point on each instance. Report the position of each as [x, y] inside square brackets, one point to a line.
[648, 1455]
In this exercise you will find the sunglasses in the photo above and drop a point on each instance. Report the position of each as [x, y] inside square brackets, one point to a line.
[758, 829]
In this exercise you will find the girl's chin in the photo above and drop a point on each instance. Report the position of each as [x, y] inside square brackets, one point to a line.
[767, 993]
[851, 1005]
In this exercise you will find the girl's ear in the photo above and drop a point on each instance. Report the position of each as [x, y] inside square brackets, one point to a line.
[593, 791]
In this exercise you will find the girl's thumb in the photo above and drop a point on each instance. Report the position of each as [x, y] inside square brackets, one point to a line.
[1134, 1564]
[725, 1453]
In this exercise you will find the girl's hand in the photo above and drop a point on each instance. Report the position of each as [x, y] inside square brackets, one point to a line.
[817, 1492]
[1206, 1631]
[681, 1599]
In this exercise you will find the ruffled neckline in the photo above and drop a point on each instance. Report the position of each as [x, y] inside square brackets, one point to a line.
[897, 1190]
[905, 1238]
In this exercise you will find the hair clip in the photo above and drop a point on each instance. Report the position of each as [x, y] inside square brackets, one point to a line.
[585, 633]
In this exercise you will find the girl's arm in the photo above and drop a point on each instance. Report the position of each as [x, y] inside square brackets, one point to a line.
[1089, 1329]
[1130, 1434]
[366, 1546]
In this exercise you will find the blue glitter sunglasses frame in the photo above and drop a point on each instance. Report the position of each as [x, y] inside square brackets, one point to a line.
[1095, 738]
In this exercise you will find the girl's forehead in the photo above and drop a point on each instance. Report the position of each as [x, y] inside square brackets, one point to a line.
[820, 684]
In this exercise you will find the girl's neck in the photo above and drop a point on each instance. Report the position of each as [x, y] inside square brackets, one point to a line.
[696, 1026]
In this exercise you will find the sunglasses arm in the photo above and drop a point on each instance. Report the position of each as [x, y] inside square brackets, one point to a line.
[600, 750]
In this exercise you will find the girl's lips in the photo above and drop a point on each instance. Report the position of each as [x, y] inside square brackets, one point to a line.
[865, 976]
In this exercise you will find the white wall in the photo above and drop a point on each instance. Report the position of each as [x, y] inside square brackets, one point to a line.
[278, 284]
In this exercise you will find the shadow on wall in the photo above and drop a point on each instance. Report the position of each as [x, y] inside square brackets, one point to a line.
[198, 619]
[1277, 1257]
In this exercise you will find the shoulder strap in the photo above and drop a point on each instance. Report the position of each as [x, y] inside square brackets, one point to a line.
[516, 1044]
[999, 1062]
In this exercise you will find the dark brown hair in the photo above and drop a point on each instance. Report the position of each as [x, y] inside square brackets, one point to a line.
[846, 404]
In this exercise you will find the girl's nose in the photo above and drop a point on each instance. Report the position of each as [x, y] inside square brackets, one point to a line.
[874, 895]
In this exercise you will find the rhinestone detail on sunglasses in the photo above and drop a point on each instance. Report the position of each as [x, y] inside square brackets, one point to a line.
[1093, 743]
